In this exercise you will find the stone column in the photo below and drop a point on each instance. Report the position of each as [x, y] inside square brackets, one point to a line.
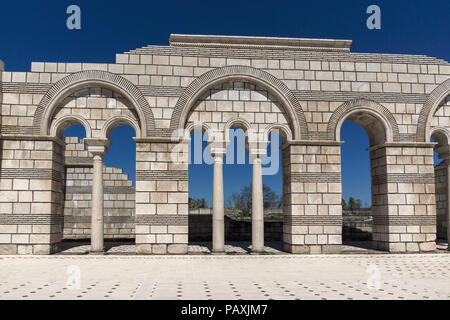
[218, 206]
[257, 146]
[257, 207]
[98, 148]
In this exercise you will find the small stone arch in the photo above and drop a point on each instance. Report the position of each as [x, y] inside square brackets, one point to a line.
[84, 79]
[429, 109]
[241, 73]
[193, 127]
[60, 125]
[237, 123]
[356, 110]
[285, 130]
[441, 136]
[114, 122]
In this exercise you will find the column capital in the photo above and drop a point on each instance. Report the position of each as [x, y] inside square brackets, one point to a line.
[217, 148]
[98, 147]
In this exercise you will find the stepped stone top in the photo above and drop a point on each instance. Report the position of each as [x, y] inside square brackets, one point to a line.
[258, 42]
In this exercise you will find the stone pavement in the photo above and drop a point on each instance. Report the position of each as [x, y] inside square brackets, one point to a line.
[200, 277]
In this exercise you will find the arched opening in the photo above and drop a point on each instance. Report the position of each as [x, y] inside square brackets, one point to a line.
[119, 178]
[274, 190]
[243, 114]
[98, 82]
[363, 194]
[200, 193]
[441, 174]
[356, 187]
[238, 190]
[75, 206]
[105, 116]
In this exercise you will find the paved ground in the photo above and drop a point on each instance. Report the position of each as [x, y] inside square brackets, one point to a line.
[200, 277]
[239, 248]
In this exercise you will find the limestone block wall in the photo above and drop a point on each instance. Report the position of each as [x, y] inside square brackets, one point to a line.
[162, 204]
[241, 100]
[441, 200]
[30, 196]
[312, 198]
[403, 200]
[308, 87]
[119, 197]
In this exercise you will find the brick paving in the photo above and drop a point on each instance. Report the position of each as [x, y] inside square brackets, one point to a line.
[232, 277]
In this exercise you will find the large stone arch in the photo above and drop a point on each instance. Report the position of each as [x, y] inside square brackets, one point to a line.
[247, 74]
[429, 109]
[363, 106]
[44, 112]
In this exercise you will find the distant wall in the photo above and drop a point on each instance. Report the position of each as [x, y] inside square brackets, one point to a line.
[357, 225]
[119, 197]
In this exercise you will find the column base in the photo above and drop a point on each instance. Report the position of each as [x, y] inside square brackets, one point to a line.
[218, 253]
[97, 253]
[256, 253]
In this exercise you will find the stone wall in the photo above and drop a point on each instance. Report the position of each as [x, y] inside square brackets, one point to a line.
[404, 204]
[312, 198]
[31, 194]
[305, 87]
[119, 197]
[162, 202]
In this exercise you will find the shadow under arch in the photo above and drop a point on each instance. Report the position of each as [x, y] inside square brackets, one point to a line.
[247, 74]
[283, 131]
[376, 120]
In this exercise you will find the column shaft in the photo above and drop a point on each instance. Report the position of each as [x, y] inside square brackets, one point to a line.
[218, 207]
[257, 207]
[97, 227]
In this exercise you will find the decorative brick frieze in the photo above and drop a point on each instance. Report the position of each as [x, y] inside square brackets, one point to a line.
[287, 54]
[387, 220]
[24, 87]
[107, 220]
[162, 220]
[381, 97]
[315, 177]
[313, 220]
[25, 131]
[107, 190]
[403, 178]
[175, 175]
[30, 219]
[35, 173]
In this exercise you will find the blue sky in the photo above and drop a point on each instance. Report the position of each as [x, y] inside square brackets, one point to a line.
[36, 31]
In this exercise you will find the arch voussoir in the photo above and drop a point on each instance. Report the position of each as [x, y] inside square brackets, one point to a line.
[51, 99]
[429, 109]
[241, 73]
[389, 122]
